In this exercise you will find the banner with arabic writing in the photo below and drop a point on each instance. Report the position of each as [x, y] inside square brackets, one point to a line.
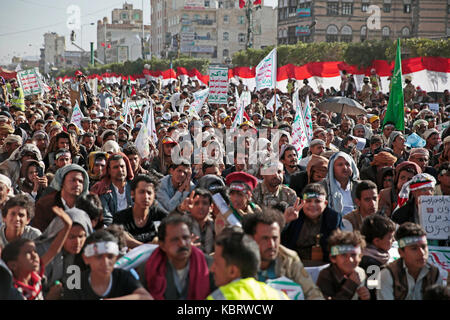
[218, 85]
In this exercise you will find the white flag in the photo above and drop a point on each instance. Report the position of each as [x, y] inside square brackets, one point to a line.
[199, 100]
[299, 132]
[77, 114]
[142, 145]
[266, 71]
[272, 102]
[239, 112]
[150, 122]
[18, 67]
[246, 98]
[308, 118]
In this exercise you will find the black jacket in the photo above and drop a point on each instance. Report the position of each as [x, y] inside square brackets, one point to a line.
[298, 181]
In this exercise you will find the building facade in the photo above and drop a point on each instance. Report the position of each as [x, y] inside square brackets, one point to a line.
[121, 40]
[54, 46]
[358, 20]
[208, 29]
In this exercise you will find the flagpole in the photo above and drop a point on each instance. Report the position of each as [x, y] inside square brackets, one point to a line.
[274, 115]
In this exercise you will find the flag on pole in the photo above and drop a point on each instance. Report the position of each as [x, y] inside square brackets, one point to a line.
[151, 123]
[77, 114]
[199, 100]
[395, 111]
[299, 134]
[142, 145]
[246, 98]
[266, 71]
[271, 102]
[308, 119]
[239, 112]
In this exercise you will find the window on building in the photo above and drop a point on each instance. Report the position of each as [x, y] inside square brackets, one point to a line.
[346, 34]
[448, 8]
[347, 9]
[332, 8]
[207, 3]
[332, 34]
[364, 7]
[386, 7]
[225, 18]
[124, 16]
[137, 16]
[385, 33]
[226, 36]
[405, 32]
[407, 8]
[226, 53]
[196, 17]
[363, 33]
[241, 20]
[241, 37]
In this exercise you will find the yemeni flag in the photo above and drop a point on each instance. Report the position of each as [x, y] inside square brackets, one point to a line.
[396, 106]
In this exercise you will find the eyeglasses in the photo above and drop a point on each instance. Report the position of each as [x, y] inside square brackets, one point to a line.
[422, 159]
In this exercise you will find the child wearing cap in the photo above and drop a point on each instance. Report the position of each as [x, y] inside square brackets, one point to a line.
[343, 279]
[102, 281]
[408, 277]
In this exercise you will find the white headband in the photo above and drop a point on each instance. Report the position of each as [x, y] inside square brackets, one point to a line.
[98, 248]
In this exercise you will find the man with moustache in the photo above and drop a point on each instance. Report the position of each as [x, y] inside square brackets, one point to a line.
[176, 270]
[277, 260]
[271, 190]
[288, 156]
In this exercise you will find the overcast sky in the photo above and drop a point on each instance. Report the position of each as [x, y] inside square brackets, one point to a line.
[24, 22]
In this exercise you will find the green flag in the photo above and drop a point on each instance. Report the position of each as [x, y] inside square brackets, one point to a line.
[396, 107]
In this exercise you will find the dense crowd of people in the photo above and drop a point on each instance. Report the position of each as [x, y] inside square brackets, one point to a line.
[230, 208]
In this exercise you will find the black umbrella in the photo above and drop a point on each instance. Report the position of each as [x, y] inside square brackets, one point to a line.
[342, 105]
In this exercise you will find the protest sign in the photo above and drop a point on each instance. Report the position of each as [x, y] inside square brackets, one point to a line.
[218, 85]
[434, 213]
[93, 84]
[29, 81]
[434, 107]
[360, 143]
[266, 71]
[292, 289]
[246, 98]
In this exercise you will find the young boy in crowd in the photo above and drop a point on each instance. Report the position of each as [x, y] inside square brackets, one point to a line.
[408, 277]
[343, 279]
[102, 281]
[17, 214]
[314, 225]
[27, 267]
[379, 235]
[198, 205]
